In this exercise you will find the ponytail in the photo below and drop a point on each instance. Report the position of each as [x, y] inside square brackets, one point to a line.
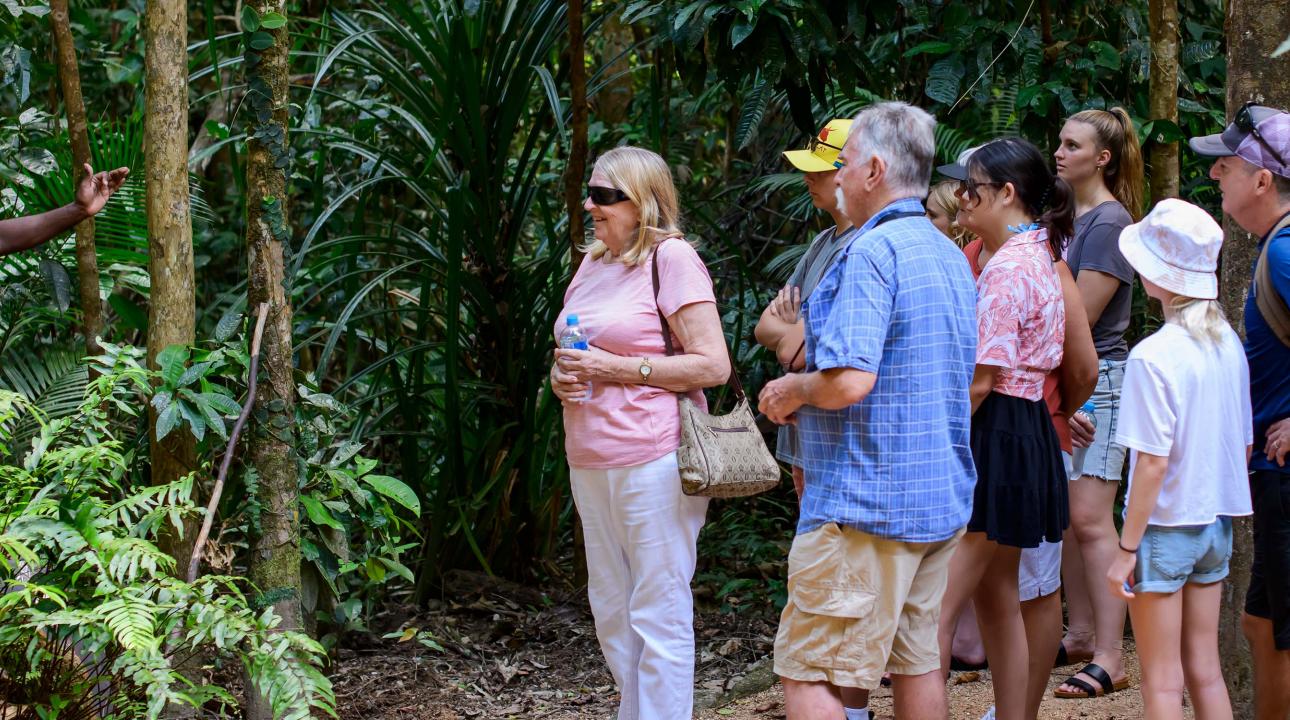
[1057, 216]
[1202, 319]
[1124, 174]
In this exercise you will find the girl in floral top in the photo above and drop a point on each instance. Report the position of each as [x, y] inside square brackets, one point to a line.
[1023, 214]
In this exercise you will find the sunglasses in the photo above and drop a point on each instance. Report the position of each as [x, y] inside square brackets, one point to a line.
[969, 188]
[1245, 123]
[605, 195]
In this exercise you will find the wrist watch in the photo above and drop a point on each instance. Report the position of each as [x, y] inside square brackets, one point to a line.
[645, 370]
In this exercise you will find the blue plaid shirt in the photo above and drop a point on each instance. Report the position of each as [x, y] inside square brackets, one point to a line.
[901, 303]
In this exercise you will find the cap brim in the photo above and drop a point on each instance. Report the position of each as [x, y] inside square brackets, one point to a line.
[1187, 283]
[807, 161]
[953, 171]
[1210, 146]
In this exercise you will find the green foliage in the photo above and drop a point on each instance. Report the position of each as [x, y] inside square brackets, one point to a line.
[187, 396]
[91, 619]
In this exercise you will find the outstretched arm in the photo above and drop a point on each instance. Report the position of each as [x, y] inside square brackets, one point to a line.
[92, 194]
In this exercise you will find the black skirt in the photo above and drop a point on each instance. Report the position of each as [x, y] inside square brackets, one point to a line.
[1021, 495]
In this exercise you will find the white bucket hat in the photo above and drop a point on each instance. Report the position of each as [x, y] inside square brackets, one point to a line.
[1176, 247]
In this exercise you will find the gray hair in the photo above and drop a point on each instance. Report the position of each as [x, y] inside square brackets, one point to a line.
[900, 135]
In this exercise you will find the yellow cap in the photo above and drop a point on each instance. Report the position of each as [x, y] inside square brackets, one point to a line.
[822, 151]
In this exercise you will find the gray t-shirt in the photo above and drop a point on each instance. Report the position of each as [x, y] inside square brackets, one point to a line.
[819, 257]
[1096, 246]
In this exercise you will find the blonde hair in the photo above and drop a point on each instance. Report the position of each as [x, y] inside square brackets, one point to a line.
[1204, 320]
[1124, 174]
[646, 179]
[943, 194]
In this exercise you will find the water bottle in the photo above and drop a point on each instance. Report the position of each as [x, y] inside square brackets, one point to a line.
[575, 338]
[1088, 410]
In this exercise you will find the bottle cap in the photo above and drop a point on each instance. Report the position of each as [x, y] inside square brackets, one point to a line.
[571, 320]
[1088, 408]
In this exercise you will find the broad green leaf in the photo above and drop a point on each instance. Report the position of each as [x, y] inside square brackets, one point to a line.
[930, 47]
[223, 404]
[250, 19]
[58, 283]
[192, 374]
[1105, 54]
[172, 361]
[260, 41]
[194, 418]
[167, 420]
[319, 514]
[272, 21]
[399, 569]
[395, 490]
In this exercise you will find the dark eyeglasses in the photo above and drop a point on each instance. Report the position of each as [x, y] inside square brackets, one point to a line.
[605, 195]
[1245, 123]
[816, 142]
[969, 188]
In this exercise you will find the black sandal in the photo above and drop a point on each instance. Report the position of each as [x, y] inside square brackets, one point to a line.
[1064, 658]
[1099, 674]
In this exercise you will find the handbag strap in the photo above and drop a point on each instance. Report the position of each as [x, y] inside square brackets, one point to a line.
[733, 380]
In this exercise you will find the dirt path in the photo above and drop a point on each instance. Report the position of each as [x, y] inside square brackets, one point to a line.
[970, 697]
[498, 650]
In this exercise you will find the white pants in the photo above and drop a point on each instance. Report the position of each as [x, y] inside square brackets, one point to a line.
[640, 532]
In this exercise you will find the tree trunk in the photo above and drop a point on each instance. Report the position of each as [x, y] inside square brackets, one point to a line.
[172, 306]
[1163, 100]
[1254, 29]
[87, 263]
[613, 100]
[275, 556]
[577, 170]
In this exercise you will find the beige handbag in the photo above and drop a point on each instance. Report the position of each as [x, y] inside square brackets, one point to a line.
[720, 455]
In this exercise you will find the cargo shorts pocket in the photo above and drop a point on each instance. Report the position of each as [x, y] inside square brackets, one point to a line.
[831, 626]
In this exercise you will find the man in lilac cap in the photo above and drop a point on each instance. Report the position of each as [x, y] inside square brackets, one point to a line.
[1253, 172]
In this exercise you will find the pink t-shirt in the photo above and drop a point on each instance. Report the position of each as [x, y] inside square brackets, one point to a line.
[630, 424]
[1021, 319]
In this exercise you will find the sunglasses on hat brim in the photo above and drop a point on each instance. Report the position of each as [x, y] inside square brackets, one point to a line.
[1245, 123]
[605, 195]
[816, 142]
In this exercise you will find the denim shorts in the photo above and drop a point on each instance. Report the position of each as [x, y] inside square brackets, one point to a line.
[1170, 557]
[1104, 458]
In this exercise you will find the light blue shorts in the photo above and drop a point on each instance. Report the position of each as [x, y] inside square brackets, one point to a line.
[1104, 458]
[1170, 557]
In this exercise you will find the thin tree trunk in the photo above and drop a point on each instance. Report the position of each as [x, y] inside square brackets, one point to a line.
[577, 170]
[87, 263]
[613, 100]
[1163, 96]
[275, 553]
[1254, 29]
[172, 307]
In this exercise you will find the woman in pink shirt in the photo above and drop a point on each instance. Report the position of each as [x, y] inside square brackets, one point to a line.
[622, 426]
[1023, 214]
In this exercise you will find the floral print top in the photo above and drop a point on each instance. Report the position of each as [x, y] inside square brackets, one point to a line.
[1021, 320]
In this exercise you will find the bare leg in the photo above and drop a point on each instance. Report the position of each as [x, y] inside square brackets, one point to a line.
[967, 638]
[854, 697]
[1202, 666]
[811, 700]
[1271, 670]
[920, 697]
[1157, 625]
[1078, 639]
[1043, 619]
[966, 568]
[999, 613]
[1091, 502]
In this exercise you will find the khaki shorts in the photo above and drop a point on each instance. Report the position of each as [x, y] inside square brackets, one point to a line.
[859, 606]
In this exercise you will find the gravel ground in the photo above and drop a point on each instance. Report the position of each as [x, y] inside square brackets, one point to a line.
[970, 697]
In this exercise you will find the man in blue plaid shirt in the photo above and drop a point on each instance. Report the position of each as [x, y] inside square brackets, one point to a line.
[883, 415]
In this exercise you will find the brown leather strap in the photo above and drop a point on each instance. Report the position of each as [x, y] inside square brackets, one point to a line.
[733, 380]
[1271, 305]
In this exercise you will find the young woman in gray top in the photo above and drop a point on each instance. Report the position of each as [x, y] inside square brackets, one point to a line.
[1100, 157]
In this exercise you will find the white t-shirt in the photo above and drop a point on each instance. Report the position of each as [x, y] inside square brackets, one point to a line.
[1190, 400]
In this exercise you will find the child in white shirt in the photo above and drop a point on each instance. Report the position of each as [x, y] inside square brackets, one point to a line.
[1185, 415]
